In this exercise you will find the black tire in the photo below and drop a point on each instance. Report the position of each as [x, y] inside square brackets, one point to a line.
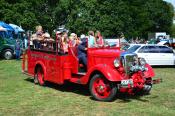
[8, 54]
[39, 77]
[35, 79]
[148, 87]
[102, 89]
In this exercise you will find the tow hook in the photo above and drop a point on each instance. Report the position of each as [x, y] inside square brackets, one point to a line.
[157, 81]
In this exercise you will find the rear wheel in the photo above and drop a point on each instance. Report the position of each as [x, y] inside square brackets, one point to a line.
[39, 77]
[102, 89]
[8, 54]
[35, 79]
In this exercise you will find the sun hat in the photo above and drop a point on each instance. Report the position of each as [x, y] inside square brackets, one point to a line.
[58, 32]
[72, 34]
[82, 36]
[47, 35]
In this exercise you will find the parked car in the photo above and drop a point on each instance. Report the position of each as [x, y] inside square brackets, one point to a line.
[154, 54]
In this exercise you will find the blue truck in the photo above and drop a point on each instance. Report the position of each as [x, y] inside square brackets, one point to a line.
[7, 41]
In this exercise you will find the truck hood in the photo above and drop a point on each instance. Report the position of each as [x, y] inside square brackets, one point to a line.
[104, 52]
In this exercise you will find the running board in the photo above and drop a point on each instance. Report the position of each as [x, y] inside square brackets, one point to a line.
[77, 77]
[81, 73]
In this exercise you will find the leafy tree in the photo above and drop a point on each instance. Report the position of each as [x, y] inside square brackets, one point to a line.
[160, 16]
[18, 13]
[134, 18]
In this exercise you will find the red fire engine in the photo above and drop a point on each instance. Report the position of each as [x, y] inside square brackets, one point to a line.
[109, 71]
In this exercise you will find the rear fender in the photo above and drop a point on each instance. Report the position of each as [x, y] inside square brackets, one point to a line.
[110, 73]
[39, 63]
[149, 72]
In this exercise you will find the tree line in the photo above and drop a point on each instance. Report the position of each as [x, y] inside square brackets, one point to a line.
[133, 18]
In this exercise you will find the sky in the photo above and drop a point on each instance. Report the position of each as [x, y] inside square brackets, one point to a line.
[171, 1]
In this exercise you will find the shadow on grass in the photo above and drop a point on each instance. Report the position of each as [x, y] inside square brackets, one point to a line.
[83, 90]
[125, 98]
[165, 66]
[67, 87]
[1, 58]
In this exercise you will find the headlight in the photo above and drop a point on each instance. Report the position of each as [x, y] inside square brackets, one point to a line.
[116, 63]
[142, 61]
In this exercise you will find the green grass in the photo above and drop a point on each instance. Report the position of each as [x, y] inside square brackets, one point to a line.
[21, 97]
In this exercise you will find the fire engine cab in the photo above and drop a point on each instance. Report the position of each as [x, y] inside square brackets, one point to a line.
[109, 70]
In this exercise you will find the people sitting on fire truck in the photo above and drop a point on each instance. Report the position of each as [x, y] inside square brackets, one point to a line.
[59, 38]
[91, 39]
[99, 39]
[37, 37]
[48, 41]
[65, 46]
[64, 42]
[39, 32]
[82, 51]
[75, 39]
[72, 42]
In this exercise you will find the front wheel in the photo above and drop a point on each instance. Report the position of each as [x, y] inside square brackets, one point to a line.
[148, 86]
[102, 89]
[8, 54]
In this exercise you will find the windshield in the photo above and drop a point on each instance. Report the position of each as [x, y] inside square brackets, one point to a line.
[124, 47]
[6, 34]
[133, 48]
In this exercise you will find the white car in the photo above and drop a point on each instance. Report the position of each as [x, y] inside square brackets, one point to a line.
[154, 54]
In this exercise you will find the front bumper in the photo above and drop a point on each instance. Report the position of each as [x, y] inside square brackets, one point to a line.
[129, 83]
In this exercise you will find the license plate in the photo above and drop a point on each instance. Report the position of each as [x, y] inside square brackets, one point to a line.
[126, 82]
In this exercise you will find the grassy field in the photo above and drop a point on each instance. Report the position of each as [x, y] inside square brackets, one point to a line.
[21, 97]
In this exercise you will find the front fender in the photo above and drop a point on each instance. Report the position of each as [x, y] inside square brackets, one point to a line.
[149, 72]
[110, 73]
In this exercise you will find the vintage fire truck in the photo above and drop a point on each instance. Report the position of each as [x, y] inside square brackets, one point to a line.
[109, 70]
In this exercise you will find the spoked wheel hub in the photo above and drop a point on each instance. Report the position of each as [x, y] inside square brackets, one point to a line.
[102, 89]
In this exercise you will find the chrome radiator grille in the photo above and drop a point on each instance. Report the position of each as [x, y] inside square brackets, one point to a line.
[128, 60]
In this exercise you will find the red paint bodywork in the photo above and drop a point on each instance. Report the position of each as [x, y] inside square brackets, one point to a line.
[58, 68]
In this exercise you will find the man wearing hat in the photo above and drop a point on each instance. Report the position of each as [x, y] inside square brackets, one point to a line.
[82, 51]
